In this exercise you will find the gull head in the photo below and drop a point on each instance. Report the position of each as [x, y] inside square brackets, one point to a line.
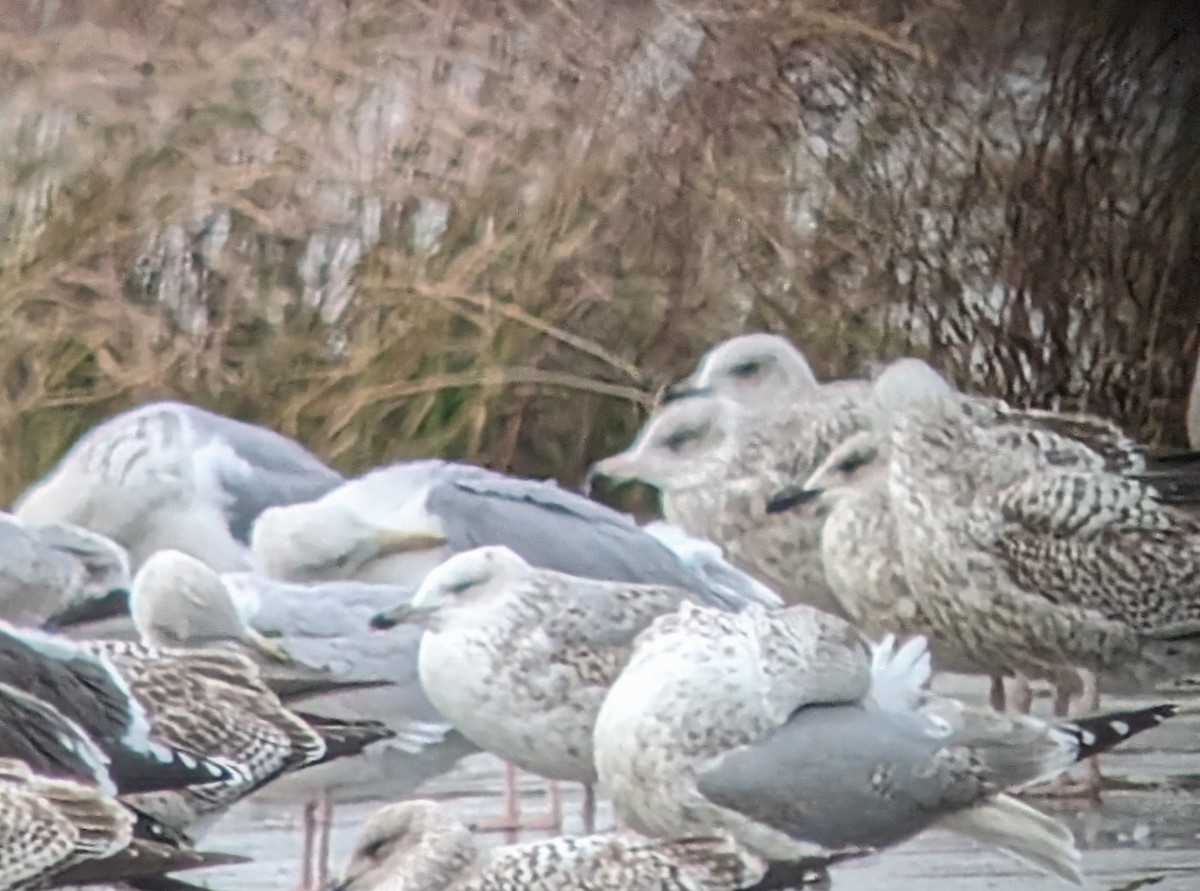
[412, 839]
[757, 371]
[467, 587]
[683, 444]
[328, 540]
[178, 601]
[906, 384]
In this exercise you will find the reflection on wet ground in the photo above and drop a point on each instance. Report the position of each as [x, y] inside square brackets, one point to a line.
[1144, 833]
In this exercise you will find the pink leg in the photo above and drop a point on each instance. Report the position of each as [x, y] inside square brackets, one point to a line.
[510, 820]
[307, 877]
[324, 833]
[996, 694]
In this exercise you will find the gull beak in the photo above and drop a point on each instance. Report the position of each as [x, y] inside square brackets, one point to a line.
[268, 647]
[404, 614]
[406, 541]
[613, 469]
[685, 389]
[792, 497]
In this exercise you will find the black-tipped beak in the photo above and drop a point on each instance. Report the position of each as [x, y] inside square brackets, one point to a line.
[683, 390]
[792, 497]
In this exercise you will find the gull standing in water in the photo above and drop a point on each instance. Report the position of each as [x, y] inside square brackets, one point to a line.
[783, 730]
[172, 475]
[519, 658]
[419, 846]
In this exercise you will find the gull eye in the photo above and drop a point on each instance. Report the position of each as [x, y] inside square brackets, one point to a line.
[852, 462]
[682, 437]
[749, 368]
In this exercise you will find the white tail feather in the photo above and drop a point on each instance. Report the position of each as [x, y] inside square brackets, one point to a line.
[415, 736]
[1022, 832]
[899, 675]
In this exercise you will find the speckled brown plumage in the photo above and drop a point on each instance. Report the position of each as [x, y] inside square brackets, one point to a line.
[419, 846]
[518, 658]
[1034, 545]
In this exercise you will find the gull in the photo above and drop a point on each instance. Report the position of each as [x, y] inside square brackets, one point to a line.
[54, 572]
[1033, 540]
[783, 730]
[323, 649]
[716, 467]
[213, 701]
[397, 523]
[85, 688]
[420, 846]
[519, 658]
[760, 372]
[60, 832]
[170, 474]
[59, 810]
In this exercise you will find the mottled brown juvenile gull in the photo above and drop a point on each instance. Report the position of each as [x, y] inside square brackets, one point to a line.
[767, 726]
[58, 807]
[518, 658]
[172, 475]
[716, 467]
[1031, 542]
[54, 571]
[214, 701]
[56, 832]
[397, 523]
[420, 846]
[85, 688]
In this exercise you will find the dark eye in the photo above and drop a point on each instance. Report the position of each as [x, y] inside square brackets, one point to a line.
[852, 462]
[682, 437]
[749, 368]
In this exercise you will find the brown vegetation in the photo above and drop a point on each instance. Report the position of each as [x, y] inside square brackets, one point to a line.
[494, 229]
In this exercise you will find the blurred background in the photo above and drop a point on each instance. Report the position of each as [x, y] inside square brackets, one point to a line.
[493, 229]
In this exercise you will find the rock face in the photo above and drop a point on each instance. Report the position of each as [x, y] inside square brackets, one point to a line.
[396, 228]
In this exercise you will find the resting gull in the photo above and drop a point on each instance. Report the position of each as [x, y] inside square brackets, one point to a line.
[716, 467]
[1031, 540]
[213, 701]
[51, 770]
[397, 523]
[169, 474]
[420, 846]
[783, 730]
[758, 371]
[57, 571]
[57, 832]
[519, 658]
[178, 601]
[85, 688]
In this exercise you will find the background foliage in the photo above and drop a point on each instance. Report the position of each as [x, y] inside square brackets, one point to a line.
[495, 229]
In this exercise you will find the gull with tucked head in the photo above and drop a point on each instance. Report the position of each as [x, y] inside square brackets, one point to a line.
[784, 730]
[173, 475]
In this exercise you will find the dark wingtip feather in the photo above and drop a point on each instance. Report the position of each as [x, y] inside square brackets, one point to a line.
[1098, 733]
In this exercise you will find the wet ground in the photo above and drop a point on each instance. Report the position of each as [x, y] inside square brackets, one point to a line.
[1144, 833]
